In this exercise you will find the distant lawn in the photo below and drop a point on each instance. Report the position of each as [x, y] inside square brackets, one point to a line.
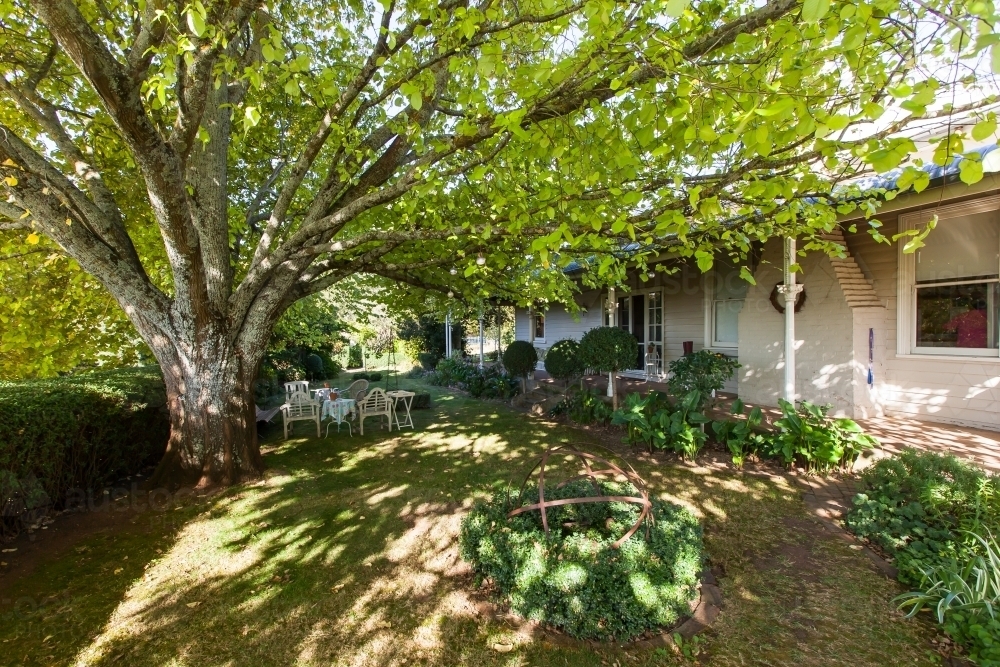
[347, 555]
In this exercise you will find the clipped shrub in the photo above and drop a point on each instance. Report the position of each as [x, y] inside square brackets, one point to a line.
[563, 360]
[608, 350]
[520, 358]
[375, 377]
[703, 371]
[422, 401]
[428, 360]
[360, 376]
[314, 367]
[574, 579]
[83, 431]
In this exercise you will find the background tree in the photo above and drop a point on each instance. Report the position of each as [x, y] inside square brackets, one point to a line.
[310, 327]
[212, 163]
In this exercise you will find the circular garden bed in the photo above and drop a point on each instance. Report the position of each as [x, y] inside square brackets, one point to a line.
[575, 577]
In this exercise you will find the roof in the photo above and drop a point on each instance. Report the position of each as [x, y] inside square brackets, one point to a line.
[885, 181]
[888, 180]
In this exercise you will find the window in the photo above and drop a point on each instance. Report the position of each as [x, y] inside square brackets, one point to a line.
[654, 307]
[540, 327]
[728, 291]
[953, 282]
[624, 318]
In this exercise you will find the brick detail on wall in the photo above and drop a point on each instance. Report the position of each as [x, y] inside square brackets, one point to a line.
[857, 289]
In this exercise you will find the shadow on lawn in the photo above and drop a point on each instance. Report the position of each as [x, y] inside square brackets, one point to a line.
[347, 554]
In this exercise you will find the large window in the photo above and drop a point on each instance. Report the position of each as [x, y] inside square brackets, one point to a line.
[728, 292]
[953, 282]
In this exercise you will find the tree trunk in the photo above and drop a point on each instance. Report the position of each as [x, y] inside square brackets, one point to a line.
[213, 424]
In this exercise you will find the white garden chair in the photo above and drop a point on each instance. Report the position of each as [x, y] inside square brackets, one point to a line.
[357, 390]
[654, 367]
[300, 407]
[295, 387]
[374, 404]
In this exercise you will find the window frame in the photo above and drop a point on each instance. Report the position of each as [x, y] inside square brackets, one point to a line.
[906, 302]
[534, 327]
[710, 303]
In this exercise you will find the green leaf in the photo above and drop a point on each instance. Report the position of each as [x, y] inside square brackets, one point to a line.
[704, 260]
[985, 128]
[970, 171]
[814, 10]
[995, 58]
[675, 8]
[196, 23]
[747, 276]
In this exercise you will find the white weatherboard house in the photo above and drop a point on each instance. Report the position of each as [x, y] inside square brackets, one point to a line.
[923, 327]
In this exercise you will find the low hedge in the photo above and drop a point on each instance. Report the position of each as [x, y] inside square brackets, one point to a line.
[81, 431]
[574, 579]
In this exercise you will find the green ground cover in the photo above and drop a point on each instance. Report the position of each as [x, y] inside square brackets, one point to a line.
[347, 554]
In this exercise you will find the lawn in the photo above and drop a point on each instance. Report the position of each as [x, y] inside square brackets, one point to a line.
[347, 555]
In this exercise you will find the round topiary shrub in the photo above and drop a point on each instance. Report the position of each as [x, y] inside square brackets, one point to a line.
[520, 358]
[608, 350]
[563, 360]
[574, 579]
[375, 377]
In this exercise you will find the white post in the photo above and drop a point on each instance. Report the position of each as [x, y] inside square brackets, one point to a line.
[482, 355]
[790, 290]
[447, 335]
[613, 310]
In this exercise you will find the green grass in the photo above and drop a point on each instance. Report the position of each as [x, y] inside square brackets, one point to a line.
[347, 555]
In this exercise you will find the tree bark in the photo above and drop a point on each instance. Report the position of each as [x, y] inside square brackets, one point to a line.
[213, 426]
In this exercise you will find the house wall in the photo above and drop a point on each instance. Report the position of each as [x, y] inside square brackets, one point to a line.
[683, 313]
[961, 391]
[825, 365]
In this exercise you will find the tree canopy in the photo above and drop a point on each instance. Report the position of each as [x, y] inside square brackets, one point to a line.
[212, 163]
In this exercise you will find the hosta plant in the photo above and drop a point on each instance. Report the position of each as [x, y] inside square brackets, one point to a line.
[821, 442]
[741, 436]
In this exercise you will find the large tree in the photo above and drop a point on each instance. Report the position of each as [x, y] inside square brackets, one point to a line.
[210, 163]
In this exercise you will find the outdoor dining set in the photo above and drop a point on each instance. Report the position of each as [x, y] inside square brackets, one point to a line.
[340, 406]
